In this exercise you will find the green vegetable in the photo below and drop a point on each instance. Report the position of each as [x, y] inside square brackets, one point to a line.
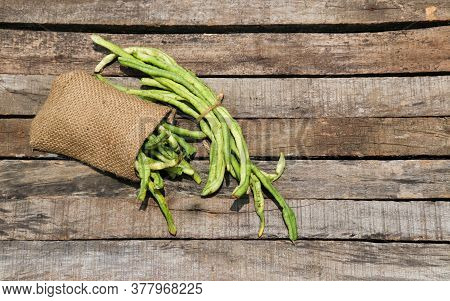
[184, 132]
[163, 206]
[258, 199]
[159, 154]
[151, 83]
[153, 141]
[288, 215]
[188, 149]
[168, 150]
[281, 165]
[157, 179]
[144, 173]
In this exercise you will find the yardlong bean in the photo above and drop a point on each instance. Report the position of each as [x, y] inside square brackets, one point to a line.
[159, 155]
[288, 215]
[258, 199]
[184, 132]
[173, 85]
[163, 206]
[188, 149]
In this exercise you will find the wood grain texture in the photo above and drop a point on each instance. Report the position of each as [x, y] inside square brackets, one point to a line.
[280, 97]
[70, 217]
[217, 13]
[424, 50]
[341, 201]
[303, 179]
[356, 137]
[222, 260]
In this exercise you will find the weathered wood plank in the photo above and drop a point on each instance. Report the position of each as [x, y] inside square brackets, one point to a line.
[220, 260]
[300, 137]
[303, 179]
[87, 217]
[348, 136]
[216, 13]
[424, 50]
[280, 97]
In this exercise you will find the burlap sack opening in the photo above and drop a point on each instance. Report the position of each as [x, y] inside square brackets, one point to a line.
[93, 122]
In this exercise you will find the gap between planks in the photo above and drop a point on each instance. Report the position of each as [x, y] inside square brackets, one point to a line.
[226, 29]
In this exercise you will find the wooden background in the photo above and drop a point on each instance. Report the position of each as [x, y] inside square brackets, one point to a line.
[356, 93]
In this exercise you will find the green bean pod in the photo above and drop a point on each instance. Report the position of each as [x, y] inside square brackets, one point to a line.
[184, 132]
[153, 141]
[226, 141]
[157, 165]
[288, 215]
[157, 179]
[163, 206]
[144, 174]
[258, 199]
[281, 166]
[213, 156]
[188, 149]
[150, 82]
[154, 71]
[171, 140]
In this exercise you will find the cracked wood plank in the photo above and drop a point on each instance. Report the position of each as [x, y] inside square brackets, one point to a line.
[308, 179]
[221, 13]
[408, 51]
[61, 200]
[280, 97]
[325, 137]
[222, 260]
[73, 217]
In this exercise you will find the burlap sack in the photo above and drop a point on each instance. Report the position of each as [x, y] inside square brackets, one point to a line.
[93, 122]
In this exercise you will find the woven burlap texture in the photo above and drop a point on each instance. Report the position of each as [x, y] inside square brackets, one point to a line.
[93, 122]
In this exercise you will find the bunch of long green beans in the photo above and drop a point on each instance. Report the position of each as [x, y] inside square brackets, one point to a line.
[176, 86]
[165, 150]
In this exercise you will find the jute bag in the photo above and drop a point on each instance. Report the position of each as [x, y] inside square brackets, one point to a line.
[93, 122]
